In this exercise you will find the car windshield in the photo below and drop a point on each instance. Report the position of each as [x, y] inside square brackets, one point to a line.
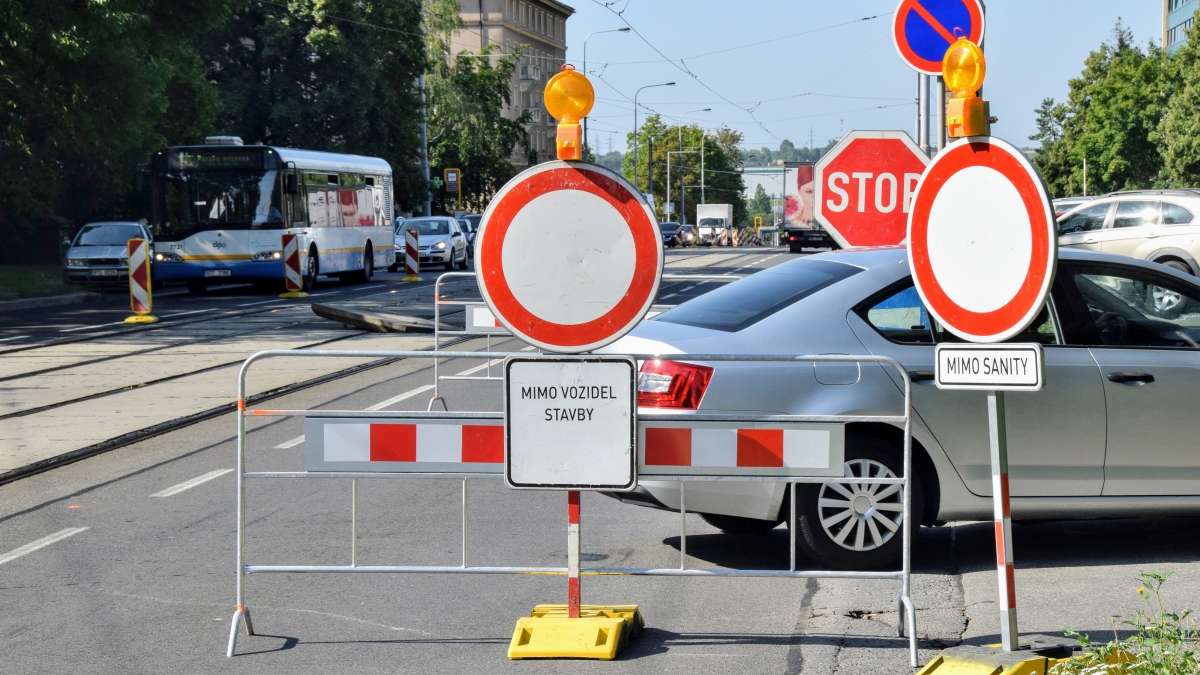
[107, 235]
[667, 227]
[426, 227]
[741, 304]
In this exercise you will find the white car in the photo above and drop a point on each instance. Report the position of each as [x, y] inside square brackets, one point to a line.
[440, 241]
[1161, 226]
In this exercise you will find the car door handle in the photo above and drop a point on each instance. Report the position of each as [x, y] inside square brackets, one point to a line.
[1132, 379]
[1151, 235]
[1090, 241]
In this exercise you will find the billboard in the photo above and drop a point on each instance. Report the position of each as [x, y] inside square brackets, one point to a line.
[798, 191]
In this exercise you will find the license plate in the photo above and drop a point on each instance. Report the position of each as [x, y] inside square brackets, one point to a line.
[216, 273]
[105, 273]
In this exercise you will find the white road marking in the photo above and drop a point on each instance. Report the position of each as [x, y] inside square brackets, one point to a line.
[396, 399]
[15, 337]
[476, 369]
[528, 349]
[685, 290]
[260, 302]
[665, 297]
[189, 484]
[102, 325]
[290, 444]
[194, 311]
[40, 543]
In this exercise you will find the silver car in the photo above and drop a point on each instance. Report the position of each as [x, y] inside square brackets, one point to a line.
[99, 253]
[439, 239]
[1113, 433]
[1158, 225]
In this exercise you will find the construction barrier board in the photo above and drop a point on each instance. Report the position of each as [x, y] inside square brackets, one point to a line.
[479, 319]
[391, 445]
[745, 448]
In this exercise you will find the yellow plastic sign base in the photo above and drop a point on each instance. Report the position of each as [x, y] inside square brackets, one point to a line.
[412, 278]
[1036, 656]
[600, 632]
[141, 318]
[294, 294]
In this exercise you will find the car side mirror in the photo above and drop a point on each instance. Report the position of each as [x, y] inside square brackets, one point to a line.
[291, 184]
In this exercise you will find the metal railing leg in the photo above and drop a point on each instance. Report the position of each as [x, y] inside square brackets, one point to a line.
[683, 525]
[354, 522]
[464, 545]
[792, 528]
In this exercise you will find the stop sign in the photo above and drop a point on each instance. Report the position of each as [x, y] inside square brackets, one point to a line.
[864, 187]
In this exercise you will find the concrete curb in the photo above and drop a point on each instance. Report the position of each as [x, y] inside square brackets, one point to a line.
[52, 301]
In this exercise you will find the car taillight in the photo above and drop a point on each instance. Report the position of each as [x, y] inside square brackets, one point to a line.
[672, 384]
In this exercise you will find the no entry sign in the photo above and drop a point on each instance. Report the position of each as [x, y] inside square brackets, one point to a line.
[864, 187]
[924, 29]
[983, 242]
[568, 256]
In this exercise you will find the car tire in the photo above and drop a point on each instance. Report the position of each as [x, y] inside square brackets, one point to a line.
[465, 263]
[314, 268]
[197, 287]
[739, 524]
[795, 248]
[817, 508]
[1177, 265]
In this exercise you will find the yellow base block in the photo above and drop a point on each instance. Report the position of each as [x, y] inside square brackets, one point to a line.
[293, 294]
[991, 660]
[412, 278]
[141, 318]
[600, 632]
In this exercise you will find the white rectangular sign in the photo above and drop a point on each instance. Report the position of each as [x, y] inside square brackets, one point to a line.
[1004, 367]
[480, 320]
[570, 423]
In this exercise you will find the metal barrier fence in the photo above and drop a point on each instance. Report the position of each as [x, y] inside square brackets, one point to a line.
[906, 609]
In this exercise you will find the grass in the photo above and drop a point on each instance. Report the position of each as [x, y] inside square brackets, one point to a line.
[33, 281]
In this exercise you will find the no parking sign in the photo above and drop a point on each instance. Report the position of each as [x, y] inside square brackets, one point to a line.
[924, 29]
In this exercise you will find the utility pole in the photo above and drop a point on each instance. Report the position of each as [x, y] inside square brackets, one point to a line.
[428, 210]
[810, 138]
[650, 169]
[702, 184]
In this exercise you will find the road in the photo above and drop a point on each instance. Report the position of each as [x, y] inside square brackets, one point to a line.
[123, 562]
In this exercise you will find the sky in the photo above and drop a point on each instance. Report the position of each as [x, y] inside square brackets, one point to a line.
[814, 69]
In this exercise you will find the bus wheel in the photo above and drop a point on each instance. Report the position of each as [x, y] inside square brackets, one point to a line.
[197, 287]
[314, 268]
[368, 270]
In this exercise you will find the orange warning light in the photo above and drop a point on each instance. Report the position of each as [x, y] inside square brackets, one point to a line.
[963, 70]
[569, 98]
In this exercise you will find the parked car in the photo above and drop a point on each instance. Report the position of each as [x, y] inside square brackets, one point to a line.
[668, 233]
[469, 232]
[1065, 204]
[1162, 226]
[1112, 434]
[440, 241]
[99, 253]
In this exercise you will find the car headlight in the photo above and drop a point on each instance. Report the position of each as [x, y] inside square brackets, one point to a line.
[163, 256]
[76, 262]
[397, 247]
[441, 246]
[267, 255]
[125, 260]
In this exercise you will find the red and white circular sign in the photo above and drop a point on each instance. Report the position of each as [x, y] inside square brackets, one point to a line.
[982, 240]
[568, 256]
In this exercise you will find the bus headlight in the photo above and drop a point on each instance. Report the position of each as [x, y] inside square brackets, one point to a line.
[267, 255]
[163, 256]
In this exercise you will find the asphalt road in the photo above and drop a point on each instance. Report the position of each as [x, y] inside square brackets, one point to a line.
[148, 586]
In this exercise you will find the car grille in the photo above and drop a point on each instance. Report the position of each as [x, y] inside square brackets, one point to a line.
[104, 262]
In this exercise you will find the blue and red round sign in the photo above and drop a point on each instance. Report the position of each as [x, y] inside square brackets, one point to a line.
[924, 29]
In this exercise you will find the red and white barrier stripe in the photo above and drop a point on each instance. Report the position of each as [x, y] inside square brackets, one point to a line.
[412, 254]
[723, 238]
[1002, 517]
[292, 277]
[140, 299]
[742, 448]
[412, 443]
[737, 237]
[573, 591]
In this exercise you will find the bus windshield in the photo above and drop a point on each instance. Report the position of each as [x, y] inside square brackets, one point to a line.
[193, 201]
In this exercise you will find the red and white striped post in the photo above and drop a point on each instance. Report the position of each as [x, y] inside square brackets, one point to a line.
[573, 554]
[293, 279]
[1003, 520]
[412, 256]
[140, 299]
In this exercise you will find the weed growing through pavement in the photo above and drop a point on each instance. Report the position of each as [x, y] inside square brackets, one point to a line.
[1165, 643]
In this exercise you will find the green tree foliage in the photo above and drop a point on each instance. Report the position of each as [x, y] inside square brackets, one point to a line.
[722, 160]
[787, 152]
[1180, 127]
[91, 89]
[1111, 117]
[332, 75]
[760, 206]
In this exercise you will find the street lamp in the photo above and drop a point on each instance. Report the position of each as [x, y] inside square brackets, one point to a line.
[612, 30]
[682, 212]
[635, 130]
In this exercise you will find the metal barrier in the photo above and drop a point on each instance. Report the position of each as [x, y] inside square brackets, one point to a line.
[906, 609]
[497, 329]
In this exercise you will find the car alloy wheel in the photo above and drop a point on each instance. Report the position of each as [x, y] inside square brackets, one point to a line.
[1165, 301]
[858, 516]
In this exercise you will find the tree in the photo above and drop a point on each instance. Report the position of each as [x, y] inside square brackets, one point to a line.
[1180, 127]
[722, 155]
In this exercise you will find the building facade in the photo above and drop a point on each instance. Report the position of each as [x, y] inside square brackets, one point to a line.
[539, 28]
[1178, 16]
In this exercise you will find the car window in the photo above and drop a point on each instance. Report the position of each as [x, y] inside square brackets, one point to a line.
[1174, 214]
[1136, 308]
[1042, 330]
[741, 304]
[107, 235]
[901, 317]
[1135, 214]
[432, 226]
[1084, 220]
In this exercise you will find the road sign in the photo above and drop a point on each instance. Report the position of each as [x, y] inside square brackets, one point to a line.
[864, 187]
[983, 242]
[1013, 367]
[923, 30]
[570, 423]
[568, 256]
[451, 176]
[140, 299]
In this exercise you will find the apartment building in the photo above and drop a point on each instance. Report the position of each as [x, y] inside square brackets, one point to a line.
[540, 27]
[1178, 16]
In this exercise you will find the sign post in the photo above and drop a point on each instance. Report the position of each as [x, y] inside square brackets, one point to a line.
[452, 183]
[983, 250]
